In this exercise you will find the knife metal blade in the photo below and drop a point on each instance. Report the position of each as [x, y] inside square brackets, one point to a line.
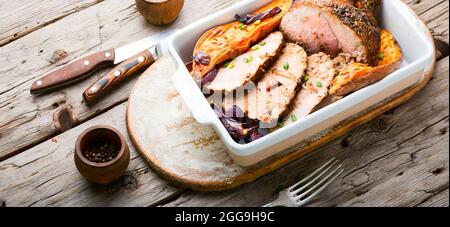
[84, 67]
[125, 52]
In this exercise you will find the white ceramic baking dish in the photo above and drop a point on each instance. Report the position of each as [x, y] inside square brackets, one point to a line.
[398, 18]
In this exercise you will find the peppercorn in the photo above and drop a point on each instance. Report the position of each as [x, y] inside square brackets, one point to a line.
[100, 152]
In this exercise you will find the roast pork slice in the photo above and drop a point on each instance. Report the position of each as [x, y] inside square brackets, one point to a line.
[249, 66]
[342, 61]
[319, 75]
[270, 99]
[332, 27]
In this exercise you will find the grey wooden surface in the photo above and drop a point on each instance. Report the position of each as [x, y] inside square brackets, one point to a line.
[399, 159]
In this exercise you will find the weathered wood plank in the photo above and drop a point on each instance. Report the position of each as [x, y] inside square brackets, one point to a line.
[27, 120]
[399, 159]
[19, 18]
[435, 14]
[46, 175]
[439, 200]
[388, 133]
[85, 32]
[425, 174]
[57, 183]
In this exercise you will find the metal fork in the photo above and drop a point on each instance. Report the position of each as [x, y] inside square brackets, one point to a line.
[305, 190]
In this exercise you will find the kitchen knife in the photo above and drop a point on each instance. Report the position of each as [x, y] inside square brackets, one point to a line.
[123, 71]
[84, 67]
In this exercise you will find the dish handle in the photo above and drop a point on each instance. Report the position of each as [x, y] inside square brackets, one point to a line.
[192, 96]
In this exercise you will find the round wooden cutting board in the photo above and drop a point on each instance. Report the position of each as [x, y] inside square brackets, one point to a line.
[192, 155]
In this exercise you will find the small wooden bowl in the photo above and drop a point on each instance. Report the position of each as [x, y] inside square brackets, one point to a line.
[160, 12]
[107, 172]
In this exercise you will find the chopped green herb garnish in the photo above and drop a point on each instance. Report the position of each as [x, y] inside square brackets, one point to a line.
[294, 118]
[319, 84]
[255, 48]
[286, 66]
[248, 60]
[380, 56]
[242, 26]
[263, 43]
[231, 65]
[306, 78]
[258, 22]
[280, 124]
[226, 64]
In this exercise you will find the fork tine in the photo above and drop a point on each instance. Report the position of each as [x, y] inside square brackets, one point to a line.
[304, 201]
[319, 174]
[311, 175]
[327, 180]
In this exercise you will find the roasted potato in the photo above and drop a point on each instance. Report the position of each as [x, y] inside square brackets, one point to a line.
[227, 41]
[356, 75]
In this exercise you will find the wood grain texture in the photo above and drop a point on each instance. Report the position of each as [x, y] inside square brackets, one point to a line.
[440, 199]
[26, 120]
[435, 14]
[399, 159]
[91, 30]
[57, 182]
[19, 18]
[46, 176]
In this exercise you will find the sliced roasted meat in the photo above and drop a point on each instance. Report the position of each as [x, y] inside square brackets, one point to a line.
[356, 75]
[249, 66]
[343, 60]
[318, 78]
[278, 86]
[227, 41]
[271, 98]
[334, 26]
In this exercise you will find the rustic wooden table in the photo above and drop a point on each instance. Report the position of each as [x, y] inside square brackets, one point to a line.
[399, 159]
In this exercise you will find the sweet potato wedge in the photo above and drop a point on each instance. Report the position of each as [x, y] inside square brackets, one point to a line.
[356, 75]
[227, 41]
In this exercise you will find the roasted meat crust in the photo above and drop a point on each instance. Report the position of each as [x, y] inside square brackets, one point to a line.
[356, 15]
[356, 75]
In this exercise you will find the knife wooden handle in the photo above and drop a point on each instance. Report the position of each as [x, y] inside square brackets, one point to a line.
[125, 70]
[74, 71]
